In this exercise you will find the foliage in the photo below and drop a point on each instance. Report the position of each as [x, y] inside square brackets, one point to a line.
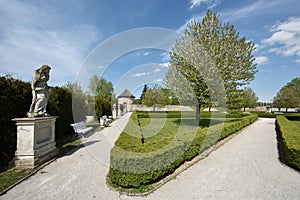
[15, 98]
[101, 91]
[79, 106]
[248, 98]
[205, 46]
[289, 95]
[289, 134]
[154, 96]
[60, 104]
[134, 164]
[143, 92]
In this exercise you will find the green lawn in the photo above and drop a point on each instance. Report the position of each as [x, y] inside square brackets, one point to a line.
[153, 131]
[153, 145]
[296, 122]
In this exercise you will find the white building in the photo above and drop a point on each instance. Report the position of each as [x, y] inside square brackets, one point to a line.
[125, 99]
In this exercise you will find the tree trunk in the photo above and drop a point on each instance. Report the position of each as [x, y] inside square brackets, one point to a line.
[209, 108]
[197, 121]
[244, 109]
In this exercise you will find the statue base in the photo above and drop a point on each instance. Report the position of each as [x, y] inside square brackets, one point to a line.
[35, 141]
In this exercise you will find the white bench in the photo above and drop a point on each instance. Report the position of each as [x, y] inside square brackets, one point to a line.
[80, 128]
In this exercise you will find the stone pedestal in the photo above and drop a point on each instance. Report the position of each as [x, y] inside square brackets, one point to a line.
[119, 111]
[35, 141]
[114, 112]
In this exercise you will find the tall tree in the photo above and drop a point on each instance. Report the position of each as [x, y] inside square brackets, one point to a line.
[102, 91]
[248, 98]
[289, 95]
[143, 92]
[208, 50]
[154, 96]
[79, 107]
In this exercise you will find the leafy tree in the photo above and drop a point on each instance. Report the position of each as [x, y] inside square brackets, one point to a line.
[154, 96]
[248, 98]
[143, 92]
[207, 46]
[79, 106]
[289, 95]
[101, 91]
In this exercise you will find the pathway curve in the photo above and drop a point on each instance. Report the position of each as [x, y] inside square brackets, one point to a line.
[246, 167]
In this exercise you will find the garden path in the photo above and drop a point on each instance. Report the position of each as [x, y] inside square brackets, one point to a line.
[246, 167]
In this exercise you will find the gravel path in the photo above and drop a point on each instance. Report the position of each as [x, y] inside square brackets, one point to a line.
[246, 167]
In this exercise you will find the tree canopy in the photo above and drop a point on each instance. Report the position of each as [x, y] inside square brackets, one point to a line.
[208, 59]
[289, 95]
[101, 91]
[154, 96]
[248, 98]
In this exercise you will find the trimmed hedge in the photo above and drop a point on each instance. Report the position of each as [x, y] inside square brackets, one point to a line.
[15, 98]
[289, 133]
[135, 170]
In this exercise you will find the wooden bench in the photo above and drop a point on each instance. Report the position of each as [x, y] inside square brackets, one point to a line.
[81, 128]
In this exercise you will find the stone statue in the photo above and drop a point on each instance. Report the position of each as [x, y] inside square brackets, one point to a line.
[40, 92]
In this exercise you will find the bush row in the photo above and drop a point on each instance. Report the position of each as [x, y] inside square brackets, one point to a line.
[15, 99]
[178, 114]
[289, 133]
[134, 170]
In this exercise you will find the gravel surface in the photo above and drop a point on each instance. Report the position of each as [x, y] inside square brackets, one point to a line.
[246, 167]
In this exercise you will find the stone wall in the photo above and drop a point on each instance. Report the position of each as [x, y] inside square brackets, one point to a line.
[139, 107]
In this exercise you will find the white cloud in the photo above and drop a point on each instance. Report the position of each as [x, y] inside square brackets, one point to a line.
[297, 61]
[197, 3]
[146, 53]
[158, 80]
[157, 70]
[261, 60]
[166, 64]
[31, 36]
[255, 8]
[286, 38]
[140, 74]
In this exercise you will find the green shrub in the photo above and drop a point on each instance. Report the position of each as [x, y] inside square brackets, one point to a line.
[133, 169]
[292, 117]
[289, 133]
[264, 114]
[15, 99]
[60, 104]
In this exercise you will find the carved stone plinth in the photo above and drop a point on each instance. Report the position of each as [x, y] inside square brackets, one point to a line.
[35, 141]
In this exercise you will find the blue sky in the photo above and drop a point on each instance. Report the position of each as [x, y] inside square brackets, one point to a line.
[66, 33]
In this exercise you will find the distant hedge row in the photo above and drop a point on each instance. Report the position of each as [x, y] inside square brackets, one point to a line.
[134, 170]
[15, 100]
[289, 133]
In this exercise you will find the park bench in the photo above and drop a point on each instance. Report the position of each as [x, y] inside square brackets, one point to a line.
[80, 128]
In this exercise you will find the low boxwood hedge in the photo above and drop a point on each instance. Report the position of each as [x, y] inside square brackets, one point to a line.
[289, 133]
[134, 170]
